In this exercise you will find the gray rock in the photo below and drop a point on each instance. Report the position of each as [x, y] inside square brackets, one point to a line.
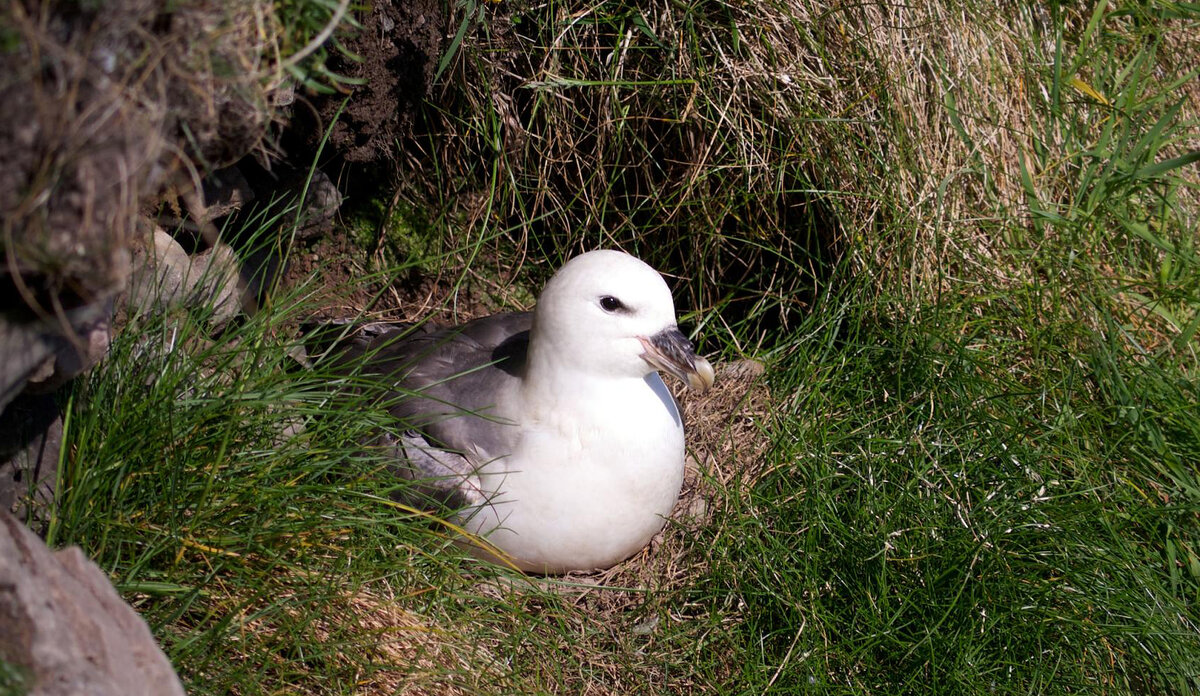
[323, 199]
[158, 275]
[214, 277]
[226, 191]
[284, 95]
[166, 278]
[41, 354]
[87, 346]
[321, 203]
[63, 624]
[26, 354]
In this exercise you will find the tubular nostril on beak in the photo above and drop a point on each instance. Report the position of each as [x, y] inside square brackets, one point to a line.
[670, 351]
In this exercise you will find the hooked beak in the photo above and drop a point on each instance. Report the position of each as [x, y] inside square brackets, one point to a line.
[669, 351]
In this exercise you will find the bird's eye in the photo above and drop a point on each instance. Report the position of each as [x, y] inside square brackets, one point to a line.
[611, 304]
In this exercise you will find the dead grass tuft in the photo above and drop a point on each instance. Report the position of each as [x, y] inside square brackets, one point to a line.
[410, 655]
[365, 640]
[744, 143]
[104, 106]
[600, 128]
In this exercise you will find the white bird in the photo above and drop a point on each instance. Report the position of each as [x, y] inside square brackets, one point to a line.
[550, 432]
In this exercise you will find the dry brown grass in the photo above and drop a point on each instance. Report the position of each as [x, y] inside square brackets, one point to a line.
[104, 109]
[411, 655]
[730, 145]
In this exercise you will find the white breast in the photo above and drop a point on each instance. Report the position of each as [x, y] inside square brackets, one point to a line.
[590, 482]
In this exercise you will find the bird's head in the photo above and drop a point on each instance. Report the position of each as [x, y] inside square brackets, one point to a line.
[609, 314]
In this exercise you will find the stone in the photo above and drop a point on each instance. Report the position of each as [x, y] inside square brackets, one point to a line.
[78, 354]
[158, 275]
[284, 95]
[39, 356]
[225, 191]
[213, 276]
[321, 203]
[65, 627]
[26, 352]
[166, 278]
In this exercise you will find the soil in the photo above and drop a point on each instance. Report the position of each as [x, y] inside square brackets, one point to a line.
[398, 49]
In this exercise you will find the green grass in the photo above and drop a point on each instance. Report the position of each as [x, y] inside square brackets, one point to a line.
[939, 523]
[13, 680]
[983, 434]
[309, 36]
[182, 484]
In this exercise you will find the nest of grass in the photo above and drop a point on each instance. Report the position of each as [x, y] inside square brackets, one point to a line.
[616, 615]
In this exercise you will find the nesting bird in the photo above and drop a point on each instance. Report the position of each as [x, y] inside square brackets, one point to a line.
[551, 432]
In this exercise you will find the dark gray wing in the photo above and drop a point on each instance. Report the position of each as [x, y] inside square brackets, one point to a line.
[442, 386]
[447, 381]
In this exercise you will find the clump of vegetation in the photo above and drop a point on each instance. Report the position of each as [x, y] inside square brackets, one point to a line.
[150, 93]
[962, 238]
[237, 509]
[107, 109]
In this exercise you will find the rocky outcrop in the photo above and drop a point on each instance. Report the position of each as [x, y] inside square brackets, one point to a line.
[104, 109]
[64, 626]
[41, 353]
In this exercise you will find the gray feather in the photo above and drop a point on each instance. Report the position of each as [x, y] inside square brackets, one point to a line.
[448, 379]
[439, 479]
[445, 381]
